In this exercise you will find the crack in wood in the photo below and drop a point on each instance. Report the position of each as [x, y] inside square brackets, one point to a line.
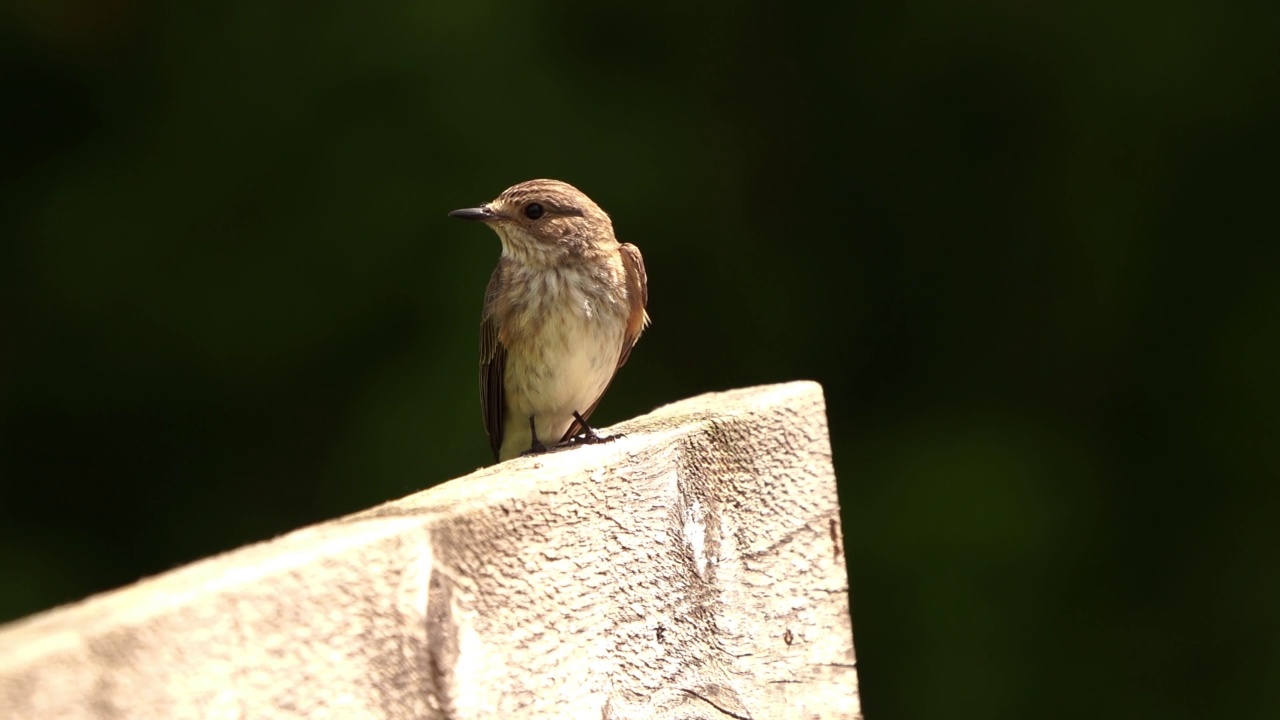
[726, 711]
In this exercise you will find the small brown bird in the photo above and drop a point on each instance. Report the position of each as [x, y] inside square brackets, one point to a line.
[563, 309]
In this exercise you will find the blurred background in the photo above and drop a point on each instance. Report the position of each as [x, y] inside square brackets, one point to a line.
[1030, 253]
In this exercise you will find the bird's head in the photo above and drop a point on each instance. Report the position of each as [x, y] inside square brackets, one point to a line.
[543, 220]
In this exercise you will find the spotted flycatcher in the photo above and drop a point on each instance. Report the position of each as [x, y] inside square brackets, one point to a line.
[562, 311]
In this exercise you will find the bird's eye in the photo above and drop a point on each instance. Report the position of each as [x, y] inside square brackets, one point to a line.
[533, 211]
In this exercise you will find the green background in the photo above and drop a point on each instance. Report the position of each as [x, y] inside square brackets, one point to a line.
[1030, 253]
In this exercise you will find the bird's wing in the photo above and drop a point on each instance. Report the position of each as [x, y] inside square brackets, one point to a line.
[638, 294]
[637, 321]
[493, 364]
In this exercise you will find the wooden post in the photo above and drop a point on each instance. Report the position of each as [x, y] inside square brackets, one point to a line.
[691, 569]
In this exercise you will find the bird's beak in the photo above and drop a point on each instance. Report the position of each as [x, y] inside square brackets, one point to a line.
[484, 213]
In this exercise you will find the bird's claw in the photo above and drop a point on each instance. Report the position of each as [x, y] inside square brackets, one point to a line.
[588, 436]
[536, 449]
[536, 446]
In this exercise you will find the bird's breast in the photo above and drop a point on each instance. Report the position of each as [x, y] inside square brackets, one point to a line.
[563, 333]
[546, 306]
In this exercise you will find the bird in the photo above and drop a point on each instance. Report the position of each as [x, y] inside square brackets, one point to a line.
[562, 311]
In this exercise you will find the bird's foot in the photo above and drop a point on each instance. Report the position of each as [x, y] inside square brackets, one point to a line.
[588, 436]
[536, 447]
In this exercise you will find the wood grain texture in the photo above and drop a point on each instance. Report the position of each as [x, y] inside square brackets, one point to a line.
[692, 569]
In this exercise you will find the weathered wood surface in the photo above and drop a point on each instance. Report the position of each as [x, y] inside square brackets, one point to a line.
[693, 569]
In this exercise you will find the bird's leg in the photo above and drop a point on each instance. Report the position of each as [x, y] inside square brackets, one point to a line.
[535, 445]
[588, 436]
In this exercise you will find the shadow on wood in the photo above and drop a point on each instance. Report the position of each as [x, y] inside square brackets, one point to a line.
[691, 569]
